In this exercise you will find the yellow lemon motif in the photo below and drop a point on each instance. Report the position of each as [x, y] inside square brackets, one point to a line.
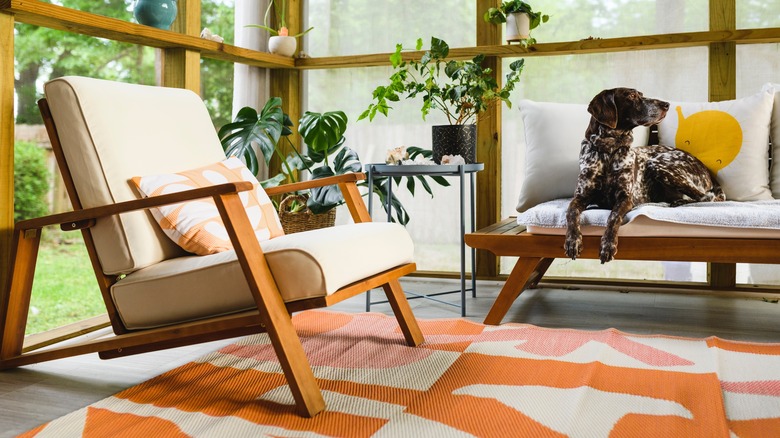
[712, 136]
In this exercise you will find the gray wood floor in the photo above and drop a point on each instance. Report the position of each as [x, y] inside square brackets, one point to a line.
[35, 394]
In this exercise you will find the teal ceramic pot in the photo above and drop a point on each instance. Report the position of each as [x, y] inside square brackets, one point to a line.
[155, 13]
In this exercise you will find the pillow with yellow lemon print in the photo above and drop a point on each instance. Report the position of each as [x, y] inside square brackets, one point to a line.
[730, 137]
[196, 225]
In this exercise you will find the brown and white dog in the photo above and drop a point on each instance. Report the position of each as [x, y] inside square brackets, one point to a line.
[616, 176]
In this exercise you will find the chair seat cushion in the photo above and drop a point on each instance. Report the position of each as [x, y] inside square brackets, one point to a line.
[310, 264]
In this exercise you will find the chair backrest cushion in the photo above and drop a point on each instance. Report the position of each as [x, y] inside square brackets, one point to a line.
[111, 132]
[196, 225]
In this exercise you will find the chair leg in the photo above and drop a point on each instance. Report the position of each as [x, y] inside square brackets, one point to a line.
[522, 275]
[15, 305]
[273, 313]
[403, 313]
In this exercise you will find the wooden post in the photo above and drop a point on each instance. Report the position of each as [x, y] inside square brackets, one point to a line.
[723, 86]
[286, 83]
[181, 67]
[488, 202]
[723, 56]
[6, 147]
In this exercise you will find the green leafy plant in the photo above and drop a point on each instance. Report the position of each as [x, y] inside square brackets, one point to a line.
[280, 20]
[465, 90]
[326, 155]
[322, 132]
[31, 181]
[498, 15]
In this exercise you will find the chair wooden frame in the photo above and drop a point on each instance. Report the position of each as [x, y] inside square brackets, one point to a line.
[536, 253]
[272, 315]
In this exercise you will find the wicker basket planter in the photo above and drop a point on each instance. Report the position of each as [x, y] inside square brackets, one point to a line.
[295, 222]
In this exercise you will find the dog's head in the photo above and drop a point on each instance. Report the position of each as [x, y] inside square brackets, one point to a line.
[626, 108]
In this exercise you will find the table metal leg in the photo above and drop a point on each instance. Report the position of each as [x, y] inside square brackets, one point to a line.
[461, 174]
[370, 211]
[473, 251]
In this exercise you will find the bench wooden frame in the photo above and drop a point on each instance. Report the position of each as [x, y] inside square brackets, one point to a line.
[536, 253]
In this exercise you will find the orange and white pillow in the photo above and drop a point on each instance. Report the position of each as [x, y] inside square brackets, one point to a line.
[196, 225]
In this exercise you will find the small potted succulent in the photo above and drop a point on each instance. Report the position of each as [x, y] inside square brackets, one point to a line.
[520, 19]
[464, 91]
[280, 42]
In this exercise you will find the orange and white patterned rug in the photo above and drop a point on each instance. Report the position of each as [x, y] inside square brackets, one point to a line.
[466, 380]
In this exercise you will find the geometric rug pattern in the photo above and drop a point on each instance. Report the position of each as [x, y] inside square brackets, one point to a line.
[467, 379]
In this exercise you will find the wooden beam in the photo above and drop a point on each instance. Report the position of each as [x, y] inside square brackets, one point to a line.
[722, 276]
[488, 193]
[723, 55]
[181, 67]
[287, 83]
[70, 20]
[722, 86]
[6, 147]
[588, 46]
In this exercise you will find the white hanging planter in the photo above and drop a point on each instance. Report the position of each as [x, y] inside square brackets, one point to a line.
[518, 27]
[282, 45]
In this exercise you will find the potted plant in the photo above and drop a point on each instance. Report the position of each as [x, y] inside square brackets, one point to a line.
[326, 155]
[520, 19]
[280, 42]
[462, 93]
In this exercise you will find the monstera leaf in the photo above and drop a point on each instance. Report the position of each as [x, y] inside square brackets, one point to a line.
[323, 132]
[323, 199]
[265, 129]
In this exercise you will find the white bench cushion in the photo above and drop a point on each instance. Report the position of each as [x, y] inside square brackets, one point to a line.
[305, 265]
[731, 219]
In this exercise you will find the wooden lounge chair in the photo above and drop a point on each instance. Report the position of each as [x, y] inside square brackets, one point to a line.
[157, 295]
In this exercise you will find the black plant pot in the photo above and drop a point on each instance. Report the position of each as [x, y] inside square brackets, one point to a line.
[455, 140]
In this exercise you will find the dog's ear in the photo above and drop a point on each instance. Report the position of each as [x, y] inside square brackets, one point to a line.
[604, 109]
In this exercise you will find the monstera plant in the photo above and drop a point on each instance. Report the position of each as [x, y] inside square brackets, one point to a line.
[326, 155]
[270, 130]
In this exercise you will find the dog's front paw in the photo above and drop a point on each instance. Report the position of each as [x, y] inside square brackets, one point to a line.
[608, 251]
[573, 247]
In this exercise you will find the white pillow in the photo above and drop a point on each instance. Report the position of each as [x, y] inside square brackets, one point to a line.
[553, 135]
[730, 137]
[774, 135]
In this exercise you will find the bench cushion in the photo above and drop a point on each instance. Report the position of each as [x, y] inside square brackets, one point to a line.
[303, 265]
[731, 219]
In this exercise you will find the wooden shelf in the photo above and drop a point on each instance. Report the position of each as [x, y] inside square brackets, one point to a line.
[70, 20]
[588, 46]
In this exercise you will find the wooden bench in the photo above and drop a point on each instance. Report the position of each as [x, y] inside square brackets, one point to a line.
[536, 253]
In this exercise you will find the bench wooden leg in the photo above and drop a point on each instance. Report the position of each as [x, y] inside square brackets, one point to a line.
[403, 313]
[527, 272]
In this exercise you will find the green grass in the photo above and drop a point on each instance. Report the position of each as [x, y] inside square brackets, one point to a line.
[64, 287]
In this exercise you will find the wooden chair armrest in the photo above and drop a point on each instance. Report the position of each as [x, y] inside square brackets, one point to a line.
[75, 220]
[320, 182]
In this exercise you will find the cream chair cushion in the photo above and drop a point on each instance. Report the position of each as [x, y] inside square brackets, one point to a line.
[111, 132]
[304, 265]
